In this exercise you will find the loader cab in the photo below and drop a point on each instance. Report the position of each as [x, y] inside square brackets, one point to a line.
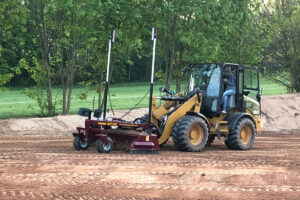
[209, 79]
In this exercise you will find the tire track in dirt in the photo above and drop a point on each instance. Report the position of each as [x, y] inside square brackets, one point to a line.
[179, 163]
[59, 196]
[157, 186]
[158, 173]
[139, 162]
[25, 164]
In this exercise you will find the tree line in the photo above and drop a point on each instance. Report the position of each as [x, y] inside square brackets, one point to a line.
[46, 43]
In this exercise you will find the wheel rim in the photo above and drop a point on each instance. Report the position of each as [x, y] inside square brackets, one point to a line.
[106, 147]
[196, 135]
[245, 134]
[83, 144]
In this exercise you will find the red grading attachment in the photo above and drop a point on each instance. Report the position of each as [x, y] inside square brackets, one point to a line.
[105, 132]
[145, 144]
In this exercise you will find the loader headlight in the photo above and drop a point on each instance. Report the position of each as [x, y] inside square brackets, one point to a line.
[164, 119]
[250, 105]
[163, 123]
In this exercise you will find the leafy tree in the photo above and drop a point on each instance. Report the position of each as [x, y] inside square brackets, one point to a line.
[283, 26]
[124, 16]
[40, 19]
[12, 27]
[207, 31]
[67, 45]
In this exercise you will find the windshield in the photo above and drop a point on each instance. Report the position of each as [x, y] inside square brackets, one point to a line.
[214, 85]
[201, 75]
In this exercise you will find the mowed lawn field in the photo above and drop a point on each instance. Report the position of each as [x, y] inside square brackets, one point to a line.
[13, 103]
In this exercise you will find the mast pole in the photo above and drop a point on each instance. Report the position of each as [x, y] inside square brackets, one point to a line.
[154, 32]
[111, 40]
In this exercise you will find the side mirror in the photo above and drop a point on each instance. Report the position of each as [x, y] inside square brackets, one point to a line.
[246, 93]
[197, 90]
[162, 89]
[258, 97]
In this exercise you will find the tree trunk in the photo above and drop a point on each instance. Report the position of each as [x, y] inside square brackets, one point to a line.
[49, 87]
[71, 63]
[178, 77]
[171, 66]
[129, 73]
[45, 51]
[70, 82]
[43, 36]
[64, 108]
[172, 56]
[70, 79]
[63, 85]
[167, 57]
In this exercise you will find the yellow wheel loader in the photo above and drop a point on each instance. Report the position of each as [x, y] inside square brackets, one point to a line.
[194, 117]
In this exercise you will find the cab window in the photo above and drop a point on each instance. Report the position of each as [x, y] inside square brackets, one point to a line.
[214, 85]
[250, 79]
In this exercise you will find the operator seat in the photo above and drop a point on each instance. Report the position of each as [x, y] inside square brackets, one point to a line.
[230, 103]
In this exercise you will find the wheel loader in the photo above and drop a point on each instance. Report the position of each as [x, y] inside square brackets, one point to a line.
[193, 118]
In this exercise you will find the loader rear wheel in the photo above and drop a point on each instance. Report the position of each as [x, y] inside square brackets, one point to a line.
[102, 148]
[243, 135]
[79, 144]
[190, 133]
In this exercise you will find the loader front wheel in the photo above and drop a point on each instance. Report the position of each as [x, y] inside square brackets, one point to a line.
[190, 133]
[102, 148]
[242, 137]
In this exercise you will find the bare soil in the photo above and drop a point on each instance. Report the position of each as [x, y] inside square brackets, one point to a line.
[49, 168]
[38, 161]
[281, 113]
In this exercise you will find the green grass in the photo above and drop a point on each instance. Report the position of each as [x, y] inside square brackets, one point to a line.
[123, 96]
[270, 88]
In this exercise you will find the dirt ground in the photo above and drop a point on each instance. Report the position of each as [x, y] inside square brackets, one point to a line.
[49, 168]
[37, 161]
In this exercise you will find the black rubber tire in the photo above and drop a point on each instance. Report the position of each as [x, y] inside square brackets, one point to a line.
[210, 140]
[234, 140]
[181, 132]
[79, 144]
[102, 148]
[76, 142]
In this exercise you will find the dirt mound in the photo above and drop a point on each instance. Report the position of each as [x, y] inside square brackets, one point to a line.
[54, 126]
[281, 113]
